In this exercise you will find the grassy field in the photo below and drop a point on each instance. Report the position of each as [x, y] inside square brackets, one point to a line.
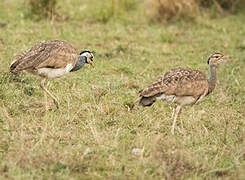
[96, 134]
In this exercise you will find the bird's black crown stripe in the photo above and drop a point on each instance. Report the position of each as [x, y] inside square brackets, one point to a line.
[85, 52]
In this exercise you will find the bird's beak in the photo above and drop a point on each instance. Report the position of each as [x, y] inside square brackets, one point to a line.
[226, 58]
[91, 63]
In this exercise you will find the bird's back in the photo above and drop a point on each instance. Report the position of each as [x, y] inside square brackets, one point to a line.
[177, 82]
[50, 53]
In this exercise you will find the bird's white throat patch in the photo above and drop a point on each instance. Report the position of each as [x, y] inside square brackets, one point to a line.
[53, 73]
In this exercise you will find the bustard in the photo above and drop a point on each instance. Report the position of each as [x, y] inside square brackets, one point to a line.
[51, 59]
[182, 86]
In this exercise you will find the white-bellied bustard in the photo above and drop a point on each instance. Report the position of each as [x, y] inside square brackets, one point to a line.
[182, 86]
[51, 59]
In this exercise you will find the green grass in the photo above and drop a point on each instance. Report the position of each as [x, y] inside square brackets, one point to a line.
[93, 133]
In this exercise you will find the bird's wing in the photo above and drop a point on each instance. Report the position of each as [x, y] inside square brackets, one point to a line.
[155, 88]
[174, 71]
[51, 53]
[61, 54]
[178, 81]
[192, 85]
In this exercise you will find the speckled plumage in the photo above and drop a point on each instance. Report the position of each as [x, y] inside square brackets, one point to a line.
[178, 81]
[53, 54]
[51, 59]
[182, 85]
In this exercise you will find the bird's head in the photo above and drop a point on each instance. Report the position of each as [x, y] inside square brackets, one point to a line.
[89, 56]
[217, 58]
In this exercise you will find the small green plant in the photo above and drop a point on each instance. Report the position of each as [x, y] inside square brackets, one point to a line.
[104, 14]
[167, 38]
[43, 8]
[109, 9]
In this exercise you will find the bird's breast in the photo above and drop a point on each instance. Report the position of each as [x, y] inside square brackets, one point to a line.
[53, 73]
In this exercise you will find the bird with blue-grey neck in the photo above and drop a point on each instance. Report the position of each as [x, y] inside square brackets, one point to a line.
[51, 59]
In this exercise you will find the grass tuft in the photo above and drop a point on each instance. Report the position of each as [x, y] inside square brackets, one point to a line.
[113, 9]
[43, 9]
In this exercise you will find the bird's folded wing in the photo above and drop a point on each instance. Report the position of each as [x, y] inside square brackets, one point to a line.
[59, 58]
[178, 81]
[193, 88]
[52, 53]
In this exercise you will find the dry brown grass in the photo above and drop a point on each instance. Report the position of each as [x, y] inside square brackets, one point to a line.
[161, 10]
[225, 4]
[173, 159]
[165, 10]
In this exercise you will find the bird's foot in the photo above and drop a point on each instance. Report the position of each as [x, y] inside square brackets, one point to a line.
[172, 130]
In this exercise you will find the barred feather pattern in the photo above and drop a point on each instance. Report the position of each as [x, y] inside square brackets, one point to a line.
[178, 82]
[50, 53]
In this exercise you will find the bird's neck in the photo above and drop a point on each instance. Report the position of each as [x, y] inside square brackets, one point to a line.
[212, 78]
[80, 62]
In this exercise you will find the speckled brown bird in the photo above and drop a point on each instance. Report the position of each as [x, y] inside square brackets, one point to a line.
[51, 59]
[182, 86]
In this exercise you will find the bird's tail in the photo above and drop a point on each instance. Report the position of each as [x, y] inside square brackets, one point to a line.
[147, 101]
[12, 68]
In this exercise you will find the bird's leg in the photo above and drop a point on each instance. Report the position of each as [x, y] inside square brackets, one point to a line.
[175, 118]
[173, 113]
[45, 93]
[46, 101]
[52, 96]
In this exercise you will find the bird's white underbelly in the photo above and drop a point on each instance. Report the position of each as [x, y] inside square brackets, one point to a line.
[183, 100]
[169, 98]
[53, 73]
